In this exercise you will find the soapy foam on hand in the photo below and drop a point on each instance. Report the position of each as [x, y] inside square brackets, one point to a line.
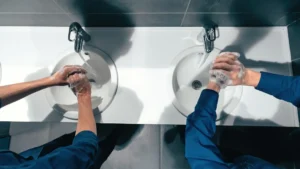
[79, 82]
[221, 77]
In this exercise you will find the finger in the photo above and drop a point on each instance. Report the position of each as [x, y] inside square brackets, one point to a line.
[223, 53]
[223, 66]
[228, 67]
[72, 79]
[72, 70]
[236, 67]
[224, 59]
[236, 54]
[80, 68]
[233, 55]
[78, 80]
[72, 66]
[225, 72]
[68, 67]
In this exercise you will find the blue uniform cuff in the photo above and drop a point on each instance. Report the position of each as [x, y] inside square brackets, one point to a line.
[208, 98]
[267, 82]
[85, 136]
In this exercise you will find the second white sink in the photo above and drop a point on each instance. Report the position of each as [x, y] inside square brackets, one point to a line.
[190, 75]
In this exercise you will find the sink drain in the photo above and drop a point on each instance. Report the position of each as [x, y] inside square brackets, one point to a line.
[196, 84]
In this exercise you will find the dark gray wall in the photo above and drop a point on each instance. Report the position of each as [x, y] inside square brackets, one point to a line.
[294, 40]
[4, 135]
[148, 12]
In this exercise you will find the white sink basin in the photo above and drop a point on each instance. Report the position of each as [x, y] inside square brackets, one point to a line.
[100, 68]
[189, 76]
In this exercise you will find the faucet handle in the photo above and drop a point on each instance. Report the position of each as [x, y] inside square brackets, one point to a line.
[76, 28]
[80, 36]
[210, 33]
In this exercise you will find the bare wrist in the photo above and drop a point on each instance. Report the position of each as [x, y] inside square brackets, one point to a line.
[49, 81]
[81, 96]
[251, 78]
[84, 100]
[213, 86]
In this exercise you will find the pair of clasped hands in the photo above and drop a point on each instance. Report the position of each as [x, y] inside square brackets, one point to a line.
[226, 70]
[75, 77]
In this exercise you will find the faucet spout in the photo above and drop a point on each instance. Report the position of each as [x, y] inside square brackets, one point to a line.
[210, 35]
[80, 36]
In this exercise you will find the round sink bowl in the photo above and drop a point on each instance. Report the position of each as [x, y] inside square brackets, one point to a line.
[102, 73]
[189, 76]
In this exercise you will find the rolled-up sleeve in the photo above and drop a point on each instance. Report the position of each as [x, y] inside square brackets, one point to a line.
[80, 155]
[285, 88]
[200, 150]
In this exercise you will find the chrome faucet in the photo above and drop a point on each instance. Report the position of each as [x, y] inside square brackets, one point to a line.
[211, 33]
[80, 36]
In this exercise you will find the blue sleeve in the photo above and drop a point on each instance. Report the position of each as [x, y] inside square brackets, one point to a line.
[80, 155]
[200, 151]
[285, 88]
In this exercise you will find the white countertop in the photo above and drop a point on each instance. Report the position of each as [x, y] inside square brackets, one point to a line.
[142, 57]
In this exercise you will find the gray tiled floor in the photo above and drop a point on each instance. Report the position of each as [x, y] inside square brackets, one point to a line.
[138, 146]
[142, 151]
[172, 147]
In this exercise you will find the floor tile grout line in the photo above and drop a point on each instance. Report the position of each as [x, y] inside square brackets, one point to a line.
[160, 146]
[185, 13]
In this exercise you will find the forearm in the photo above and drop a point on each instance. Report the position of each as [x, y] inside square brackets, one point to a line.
[14, 92]
[201, 127]
[86, 119]
[205, 110]
[282, 87]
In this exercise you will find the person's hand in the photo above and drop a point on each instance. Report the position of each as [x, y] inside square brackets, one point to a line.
[228, 65]
[227, 70]
[61, 77]
[79, 84]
